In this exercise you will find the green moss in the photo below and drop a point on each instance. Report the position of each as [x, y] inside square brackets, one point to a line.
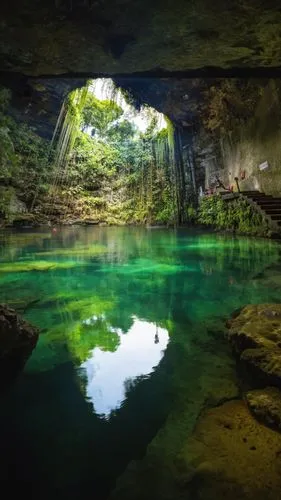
[83, 251]
[6, 196]
[43, 265]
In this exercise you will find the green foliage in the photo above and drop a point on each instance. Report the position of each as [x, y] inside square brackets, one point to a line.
[92, 162]
[6, 195]
[100, 114]
[122, 169]
[116, 175]
[121, 132]
[23, 155]
[191, 214]
[236, 215]
[33, 165]
[7, 151]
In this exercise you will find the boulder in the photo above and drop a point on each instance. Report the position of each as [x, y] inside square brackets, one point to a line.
[17, 341]
[265, 404]
[255, 335]
[232, 457]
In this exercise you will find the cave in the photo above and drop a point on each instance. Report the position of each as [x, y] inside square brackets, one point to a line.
[140, 266]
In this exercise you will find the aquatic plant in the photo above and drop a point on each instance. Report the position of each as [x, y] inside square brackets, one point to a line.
[83, 251]
[36, 265]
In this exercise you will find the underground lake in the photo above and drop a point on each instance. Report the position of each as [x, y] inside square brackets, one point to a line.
[131, 348]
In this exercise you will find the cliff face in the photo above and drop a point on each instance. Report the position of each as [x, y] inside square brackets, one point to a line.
[246, 142]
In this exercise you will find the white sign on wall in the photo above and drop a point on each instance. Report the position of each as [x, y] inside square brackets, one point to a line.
[264, 165]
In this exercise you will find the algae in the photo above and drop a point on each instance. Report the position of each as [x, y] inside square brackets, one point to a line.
[28, 266]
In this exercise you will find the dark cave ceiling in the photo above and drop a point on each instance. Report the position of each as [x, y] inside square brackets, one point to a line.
[55, 37]
[65, 41]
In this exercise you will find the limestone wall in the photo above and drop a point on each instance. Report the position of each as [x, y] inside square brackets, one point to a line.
[241, 151]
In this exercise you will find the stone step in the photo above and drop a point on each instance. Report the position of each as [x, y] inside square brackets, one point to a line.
[268, 213]
[276, 216]
[261, 195]
[251, 192]
[273, 211]
[259, 198]
[269, 202]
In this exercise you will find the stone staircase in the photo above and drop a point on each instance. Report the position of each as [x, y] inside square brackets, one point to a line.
[267, 204]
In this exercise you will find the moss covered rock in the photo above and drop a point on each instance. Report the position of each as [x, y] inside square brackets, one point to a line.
[255, 334]
[17, 341]
[265, 404]
[232, 456]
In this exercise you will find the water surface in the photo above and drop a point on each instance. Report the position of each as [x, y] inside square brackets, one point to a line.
[125, 315]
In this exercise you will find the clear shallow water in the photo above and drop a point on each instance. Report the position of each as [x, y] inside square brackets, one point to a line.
[117, 308]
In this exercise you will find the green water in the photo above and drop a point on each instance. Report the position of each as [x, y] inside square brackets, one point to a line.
[131, 321]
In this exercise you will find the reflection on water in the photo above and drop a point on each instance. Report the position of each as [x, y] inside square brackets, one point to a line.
[109, 374]
[103, 376]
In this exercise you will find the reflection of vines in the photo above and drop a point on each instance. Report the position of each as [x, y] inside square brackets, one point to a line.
[220, 252]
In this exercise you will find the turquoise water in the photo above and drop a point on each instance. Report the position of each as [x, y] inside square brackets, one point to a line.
[124, 314]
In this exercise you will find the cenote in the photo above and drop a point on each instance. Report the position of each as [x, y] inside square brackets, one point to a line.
[140, 257]
[132, 341]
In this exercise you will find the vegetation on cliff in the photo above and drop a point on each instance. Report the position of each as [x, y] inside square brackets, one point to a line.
[235, 215]
[99, 167]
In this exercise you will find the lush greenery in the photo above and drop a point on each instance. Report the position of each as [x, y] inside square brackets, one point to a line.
[100, 167]
[235, 215]
[25, 161]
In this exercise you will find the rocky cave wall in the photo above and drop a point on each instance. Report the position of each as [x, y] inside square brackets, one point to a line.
[250, 150]
[37, 102]
[83, 38]
[237, 151]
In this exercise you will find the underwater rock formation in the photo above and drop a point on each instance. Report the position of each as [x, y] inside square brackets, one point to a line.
[265, 404]
[255, 335]
[17, 341]
[234, 456]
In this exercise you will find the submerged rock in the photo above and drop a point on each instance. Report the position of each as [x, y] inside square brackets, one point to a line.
[17, 341]
[265, 404]
[233, 456]
[255, 335]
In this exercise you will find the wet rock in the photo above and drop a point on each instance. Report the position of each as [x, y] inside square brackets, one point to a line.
[255, 335]
[265, 404]
[25, 220]
[265, 363]
[86, 222]
[234, 456]
[17, 341]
